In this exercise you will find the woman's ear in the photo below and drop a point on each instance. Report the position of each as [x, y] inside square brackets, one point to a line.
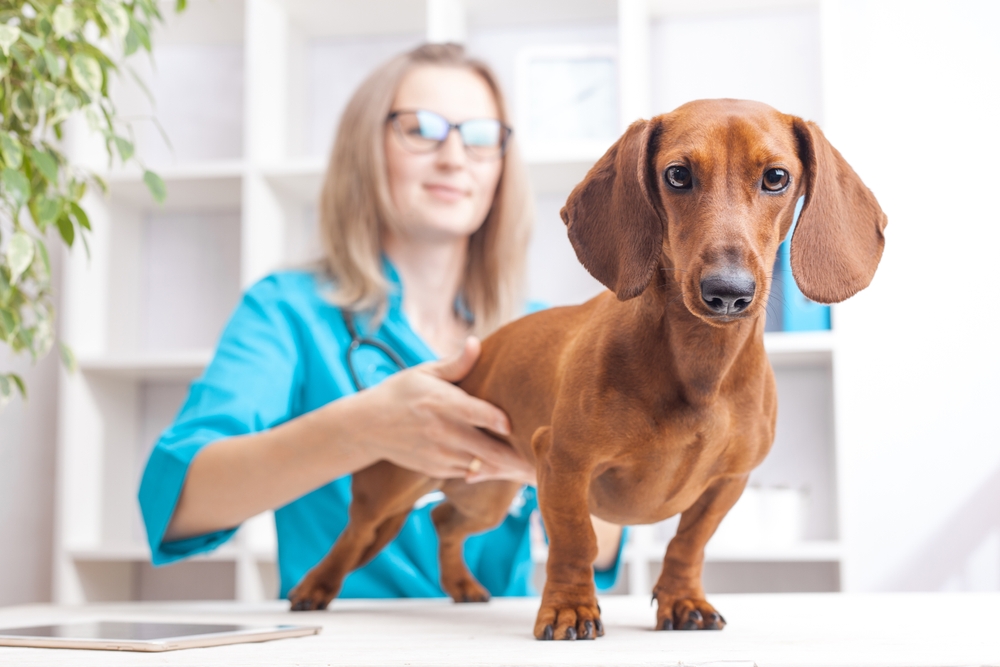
[837, 244]
[612, 216]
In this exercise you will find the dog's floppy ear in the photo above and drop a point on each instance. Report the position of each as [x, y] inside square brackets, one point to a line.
[613, 219]
[838, 241]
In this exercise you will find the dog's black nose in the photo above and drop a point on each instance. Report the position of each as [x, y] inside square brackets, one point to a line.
[729, 291]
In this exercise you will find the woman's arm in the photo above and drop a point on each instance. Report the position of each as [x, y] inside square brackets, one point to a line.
[416, 418]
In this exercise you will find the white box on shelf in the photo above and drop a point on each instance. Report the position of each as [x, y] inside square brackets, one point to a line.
[567, 101]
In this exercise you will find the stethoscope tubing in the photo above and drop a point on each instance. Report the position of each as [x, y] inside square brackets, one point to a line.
[357, 341]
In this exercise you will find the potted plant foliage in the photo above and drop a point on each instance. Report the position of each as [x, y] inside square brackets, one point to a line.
[56, 59]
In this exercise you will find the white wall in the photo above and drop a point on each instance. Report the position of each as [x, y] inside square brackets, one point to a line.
[912, 101]
[27, 474]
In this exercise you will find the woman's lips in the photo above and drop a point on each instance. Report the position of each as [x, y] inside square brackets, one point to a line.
[445, 193]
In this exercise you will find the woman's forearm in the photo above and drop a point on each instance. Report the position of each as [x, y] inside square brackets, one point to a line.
[236, 478]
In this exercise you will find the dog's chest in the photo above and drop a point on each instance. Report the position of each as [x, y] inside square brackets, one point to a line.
[664, 468]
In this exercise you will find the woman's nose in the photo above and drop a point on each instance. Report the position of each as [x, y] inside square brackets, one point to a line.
[452, 151]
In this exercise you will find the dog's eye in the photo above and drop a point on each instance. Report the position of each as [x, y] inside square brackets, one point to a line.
[678, 177]
[775, 180]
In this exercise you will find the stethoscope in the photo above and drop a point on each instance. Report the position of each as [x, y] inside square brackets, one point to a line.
[357, 341]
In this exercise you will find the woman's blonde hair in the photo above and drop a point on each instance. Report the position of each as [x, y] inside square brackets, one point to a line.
[356, 205]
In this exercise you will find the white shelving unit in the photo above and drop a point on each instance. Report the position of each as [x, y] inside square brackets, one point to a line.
[144, 312]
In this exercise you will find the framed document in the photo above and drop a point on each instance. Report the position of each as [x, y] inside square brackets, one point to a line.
[567, 101]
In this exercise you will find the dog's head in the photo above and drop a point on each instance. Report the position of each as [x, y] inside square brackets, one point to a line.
[708, 192]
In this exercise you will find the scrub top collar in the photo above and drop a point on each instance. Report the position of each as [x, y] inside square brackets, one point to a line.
[395, 328]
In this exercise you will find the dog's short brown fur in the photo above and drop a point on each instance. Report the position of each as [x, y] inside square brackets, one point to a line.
[646, 401]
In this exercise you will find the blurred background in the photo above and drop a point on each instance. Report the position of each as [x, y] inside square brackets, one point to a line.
[886, 470]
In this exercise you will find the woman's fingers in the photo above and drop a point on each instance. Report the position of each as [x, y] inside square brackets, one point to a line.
[438, 431]
[454, 368]
[477, 444]
[463, 408]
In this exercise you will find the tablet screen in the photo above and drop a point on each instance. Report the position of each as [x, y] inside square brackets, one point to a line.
[145, 636]
[122, 630]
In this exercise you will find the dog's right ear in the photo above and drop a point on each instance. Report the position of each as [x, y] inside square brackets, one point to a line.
[612, 218]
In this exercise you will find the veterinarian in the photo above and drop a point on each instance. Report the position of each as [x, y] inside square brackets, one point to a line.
[425, 218]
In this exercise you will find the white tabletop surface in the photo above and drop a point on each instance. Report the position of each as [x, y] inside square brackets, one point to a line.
[801, 630]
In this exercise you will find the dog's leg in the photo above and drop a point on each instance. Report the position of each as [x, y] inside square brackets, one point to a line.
[470, 508]
[383, 495]
[569, 601]
[680, 598]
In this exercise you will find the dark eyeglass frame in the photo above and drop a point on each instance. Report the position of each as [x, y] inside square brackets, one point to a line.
[357, 341]
[505, 130]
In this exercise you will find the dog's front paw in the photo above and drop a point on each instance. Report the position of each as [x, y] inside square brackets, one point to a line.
[311, 595]
[568, 619]
[465, 589]
[686, 613]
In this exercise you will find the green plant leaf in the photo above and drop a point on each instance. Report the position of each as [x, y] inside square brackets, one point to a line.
[67, 356]
[66, 231]
[11, 149]
[45, 163]
[125, 148]
[8, 322]
[16, 379]
[63, 20]
[65, 103]
[36, 43]
[156, 186]
[131, 42]
[52, 64]
[45, 211]
[44, 94]
[17, 186]
[23, 106]
[86, 72]
[42, 337]
[20, 253]
[142, 34]
[8, 35]
[114, 16]
[43, 253]
[80, 215]
[6, 390]
[44, 27]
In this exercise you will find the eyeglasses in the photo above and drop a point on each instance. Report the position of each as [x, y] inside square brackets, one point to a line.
[422, 131]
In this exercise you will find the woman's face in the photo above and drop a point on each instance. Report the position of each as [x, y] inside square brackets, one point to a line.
[445, 194]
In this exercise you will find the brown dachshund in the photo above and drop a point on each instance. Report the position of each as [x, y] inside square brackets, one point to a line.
[655, 398]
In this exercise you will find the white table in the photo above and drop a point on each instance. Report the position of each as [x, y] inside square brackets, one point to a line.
[800, 630]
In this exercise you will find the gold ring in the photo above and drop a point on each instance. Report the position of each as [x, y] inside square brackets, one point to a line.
[474, 465]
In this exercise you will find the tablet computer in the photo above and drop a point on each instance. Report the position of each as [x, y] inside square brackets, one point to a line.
[145, 636]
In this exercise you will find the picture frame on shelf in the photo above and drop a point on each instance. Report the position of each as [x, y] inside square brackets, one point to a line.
[566, 101]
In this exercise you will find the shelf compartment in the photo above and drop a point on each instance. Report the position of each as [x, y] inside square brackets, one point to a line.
[487, 14]
[675, 8]
[202, 186]
[341, 18]
[795, 348]
[557, 176]
[782, 348]
[802, 552]
[139, 553]
[160, 366]
[298, 180]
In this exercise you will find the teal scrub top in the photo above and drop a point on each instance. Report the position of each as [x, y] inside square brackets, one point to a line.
[281, 355]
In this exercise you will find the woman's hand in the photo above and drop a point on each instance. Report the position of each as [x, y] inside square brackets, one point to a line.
[418, 419]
